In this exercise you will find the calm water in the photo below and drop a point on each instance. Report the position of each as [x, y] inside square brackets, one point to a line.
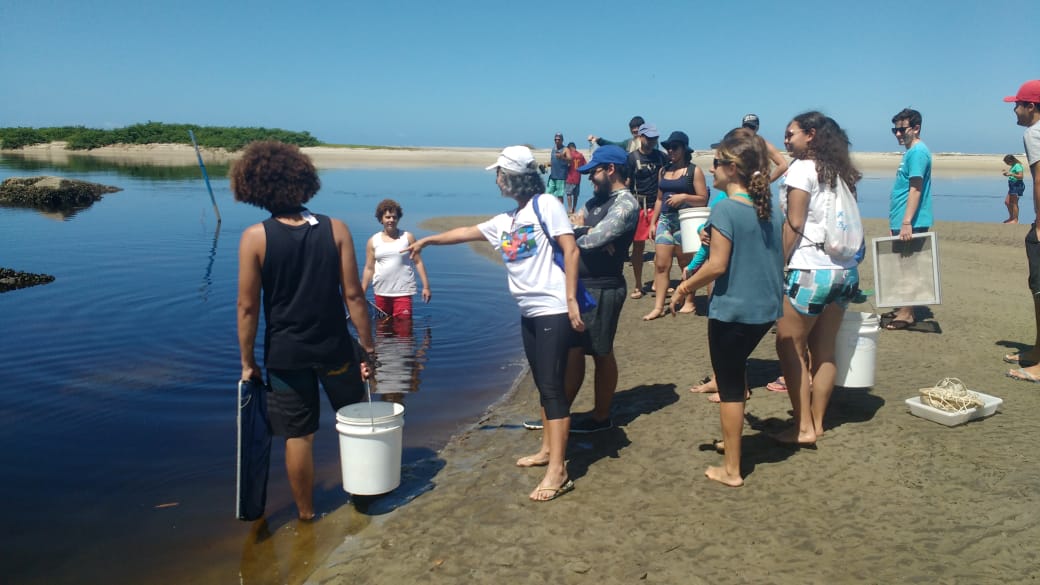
[118, 405]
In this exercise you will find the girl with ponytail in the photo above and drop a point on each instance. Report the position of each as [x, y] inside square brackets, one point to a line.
[818, 286]
[747, 261]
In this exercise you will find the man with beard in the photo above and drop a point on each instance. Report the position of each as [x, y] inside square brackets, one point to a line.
[1027, 115]
[604, 228]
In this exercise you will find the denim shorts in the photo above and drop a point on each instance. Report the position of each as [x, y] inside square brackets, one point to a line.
[810, 291]
[668, 230]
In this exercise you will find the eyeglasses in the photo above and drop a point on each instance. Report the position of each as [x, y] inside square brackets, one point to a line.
[716, 163]
[902, 129]
[597, 169]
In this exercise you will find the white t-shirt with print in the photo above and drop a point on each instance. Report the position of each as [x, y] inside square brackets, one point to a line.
[535, 281]
[807, 255]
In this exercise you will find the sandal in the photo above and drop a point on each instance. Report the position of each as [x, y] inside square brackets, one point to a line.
[636, 294]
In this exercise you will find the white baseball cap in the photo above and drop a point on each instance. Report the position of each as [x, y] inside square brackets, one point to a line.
[514, 158]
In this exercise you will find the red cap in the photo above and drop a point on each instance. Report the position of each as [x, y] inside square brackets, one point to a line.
[1029, 92]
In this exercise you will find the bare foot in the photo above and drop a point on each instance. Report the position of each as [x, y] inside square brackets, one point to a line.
[793, 436]
[706, 386]
[719, 474]
[636, 294]
[653, 314]
[536, 460]
[688, 308]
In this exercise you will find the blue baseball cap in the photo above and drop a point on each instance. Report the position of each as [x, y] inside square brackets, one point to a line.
[605, 155]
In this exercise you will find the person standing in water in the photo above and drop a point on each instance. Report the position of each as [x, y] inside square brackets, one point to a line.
[1016, 187]
[304, 264]
[392, 274]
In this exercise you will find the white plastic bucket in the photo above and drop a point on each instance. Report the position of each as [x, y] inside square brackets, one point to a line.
[370, 446]
[690, 221]
[855, 349]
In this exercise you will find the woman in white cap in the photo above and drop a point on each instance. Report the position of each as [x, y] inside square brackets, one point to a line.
[545, 293]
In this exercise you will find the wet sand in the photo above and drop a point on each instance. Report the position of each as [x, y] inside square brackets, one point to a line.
[885, 498]
[331, 157]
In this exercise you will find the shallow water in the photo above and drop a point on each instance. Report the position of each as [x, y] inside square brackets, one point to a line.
[118, 404]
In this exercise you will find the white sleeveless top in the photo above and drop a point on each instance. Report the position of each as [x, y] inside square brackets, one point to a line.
[394, 275]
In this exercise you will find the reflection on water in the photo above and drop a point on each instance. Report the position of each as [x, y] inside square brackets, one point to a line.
[83, 164]
[207, 279]
[401, 359]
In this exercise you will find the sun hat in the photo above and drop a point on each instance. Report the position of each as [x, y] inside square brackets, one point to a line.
[1029, 92]
[750, 120]
[514, 158]
[677, 137]
[605, 155]
[648, 130]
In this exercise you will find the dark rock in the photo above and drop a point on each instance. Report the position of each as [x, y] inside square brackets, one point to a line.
[13, 279]
[51, 193]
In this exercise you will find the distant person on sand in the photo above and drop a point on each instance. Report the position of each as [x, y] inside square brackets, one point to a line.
[545, 293]
[645, 164]
[628, 144]
[910, 205]
[573, 187]
[751, 122]
[1027, 113]
[559, 163]
[1016, 187]
[746, 260]
[304, 264]
[392, 274]
[680, 185]
[818, 285]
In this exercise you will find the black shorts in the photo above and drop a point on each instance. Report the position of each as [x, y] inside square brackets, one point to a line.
[730, 344]
[1033, 258]
[601, 323]
[546, 340]
[292, 396]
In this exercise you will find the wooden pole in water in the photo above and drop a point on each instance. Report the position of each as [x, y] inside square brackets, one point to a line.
[204, 174]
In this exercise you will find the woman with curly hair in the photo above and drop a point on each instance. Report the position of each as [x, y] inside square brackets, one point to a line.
[304, 265]
[391, 273]
[746, 264]
[545, 293]
[818, 286]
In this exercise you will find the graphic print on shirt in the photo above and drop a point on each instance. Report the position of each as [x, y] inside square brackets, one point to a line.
[518, 244]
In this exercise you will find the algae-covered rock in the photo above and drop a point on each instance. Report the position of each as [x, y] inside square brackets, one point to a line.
[13, 279]
[51, 193]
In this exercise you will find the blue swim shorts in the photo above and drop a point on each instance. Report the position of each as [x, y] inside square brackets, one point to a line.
[809, 291]
[668, 231]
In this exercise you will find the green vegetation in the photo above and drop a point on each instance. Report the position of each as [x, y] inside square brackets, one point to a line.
[82, 138]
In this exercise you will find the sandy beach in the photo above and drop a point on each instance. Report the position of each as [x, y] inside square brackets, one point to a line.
[330, 157]
[885, 498]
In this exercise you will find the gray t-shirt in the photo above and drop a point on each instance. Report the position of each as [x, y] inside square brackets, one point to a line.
[1031, 139]
[752, 288]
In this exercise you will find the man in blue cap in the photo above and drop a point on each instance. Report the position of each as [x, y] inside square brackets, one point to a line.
[604, 228]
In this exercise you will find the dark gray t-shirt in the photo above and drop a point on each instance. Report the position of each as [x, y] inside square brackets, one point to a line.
[751, 291]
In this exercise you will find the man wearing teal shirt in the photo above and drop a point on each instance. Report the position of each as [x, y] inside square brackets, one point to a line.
[910, 207]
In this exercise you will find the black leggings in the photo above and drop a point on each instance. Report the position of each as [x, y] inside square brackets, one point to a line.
[546, 342]
[730, 345]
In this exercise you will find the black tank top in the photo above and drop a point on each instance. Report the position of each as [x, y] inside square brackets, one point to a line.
[303, 304]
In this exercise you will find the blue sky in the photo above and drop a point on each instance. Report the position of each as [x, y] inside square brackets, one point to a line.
[470, 73]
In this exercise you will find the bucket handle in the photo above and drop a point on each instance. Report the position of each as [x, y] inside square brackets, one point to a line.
[371, 416]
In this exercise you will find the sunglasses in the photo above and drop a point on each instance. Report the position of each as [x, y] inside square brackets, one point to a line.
[716, 163]
[672, 146]
[789, 135]
[902, 129]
